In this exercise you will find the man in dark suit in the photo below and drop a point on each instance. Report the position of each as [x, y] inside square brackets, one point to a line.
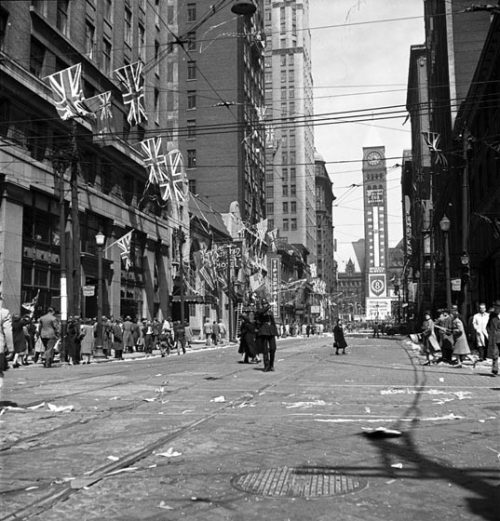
[493, 329]
[48, 331]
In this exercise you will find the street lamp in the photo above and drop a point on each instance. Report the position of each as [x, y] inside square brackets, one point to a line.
[100, 239]
[444, 224]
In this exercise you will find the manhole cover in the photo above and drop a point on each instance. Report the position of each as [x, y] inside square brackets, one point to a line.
[298, 482]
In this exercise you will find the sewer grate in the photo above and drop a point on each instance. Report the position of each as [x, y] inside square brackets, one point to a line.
[298, 482]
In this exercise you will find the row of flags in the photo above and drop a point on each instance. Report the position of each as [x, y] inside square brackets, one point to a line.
[166, 171]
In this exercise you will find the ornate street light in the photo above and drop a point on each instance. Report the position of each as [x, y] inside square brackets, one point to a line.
[100, 239]
[445, 224]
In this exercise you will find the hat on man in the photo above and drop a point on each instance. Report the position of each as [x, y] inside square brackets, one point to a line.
[496, 304]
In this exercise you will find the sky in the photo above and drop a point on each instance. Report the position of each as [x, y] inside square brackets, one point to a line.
[358, 65]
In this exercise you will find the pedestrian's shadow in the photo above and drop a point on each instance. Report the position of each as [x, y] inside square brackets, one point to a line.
[486, 501]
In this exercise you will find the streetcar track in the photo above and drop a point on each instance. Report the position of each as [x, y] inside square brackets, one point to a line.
[64, 491]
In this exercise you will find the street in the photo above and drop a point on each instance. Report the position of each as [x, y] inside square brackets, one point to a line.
[203, 437]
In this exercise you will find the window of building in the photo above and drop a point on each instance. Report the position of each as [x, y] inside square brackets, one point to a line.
[191, 99]
[284, 174]
[285, 225]
[270, 191]
[192, 185]
[62, 16]
[89, 40]
[191, 12]
[141, 43]
[127, 20]
[40, 6]
[169, 130]
[191, 158]
[293, 171]
[191, 38]
[269, 208]
[270, 224]
[157, 14]
[285, 191]
[108, 11]
[293, 190]
[170, 15]
[170, 71]
[106, 56]
[285, 207]
[4, 15]
[293, 207]
[293, 224]
[157, 54]
[157, 105]
[191, 70]
[283, 60]
[37, 57]
[191, 128]
[170, 101]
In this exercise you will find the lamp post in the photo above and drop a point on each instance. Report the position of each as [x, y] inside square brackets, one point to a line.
[444, 224]
[181, 239]
[100, 239]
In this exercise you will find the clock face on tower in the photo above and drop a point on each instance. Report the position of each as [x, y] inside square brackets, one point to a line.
[374, 158]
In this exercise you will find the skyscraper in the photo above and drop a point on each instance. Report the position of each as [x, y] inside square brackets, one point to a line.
[290, 177]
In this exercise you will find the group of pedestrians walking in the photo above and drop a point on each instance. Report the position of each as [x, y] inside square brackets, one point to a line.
[445, 340]
[258, 334]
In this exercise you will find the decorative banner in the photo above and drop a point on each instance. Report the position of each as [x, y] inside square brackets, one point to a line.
[103, 129]
[314, 270]
[154, 160]
[133, 96]
[432, 141]
[261, 229]
[275, 284]
[30, 306]
[66, 87]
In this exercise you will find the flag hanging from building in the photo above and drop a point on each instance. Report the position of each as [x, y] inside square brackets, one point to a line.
[103, 127]
[154, 160]
[124, 243]
[175, 165]
[66, 88]
[261, 229]
[132, 81]
[432, 141]
[30, 306]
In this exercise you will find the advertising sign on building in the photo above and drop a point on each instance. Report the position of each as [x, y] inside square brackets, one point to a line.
[378, 308]
[377, 284]
[275, 284]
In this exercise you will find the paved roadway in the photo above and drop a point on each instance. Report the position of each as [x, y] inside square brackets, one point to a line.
[202, 437]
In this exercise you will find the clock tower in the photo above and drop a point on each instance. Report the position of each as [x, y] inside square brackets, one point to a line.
[378, 304]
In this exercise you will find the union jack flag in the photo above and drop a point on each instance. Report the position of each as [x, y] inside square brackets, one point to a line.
[154, 160]
[133, 96]
[124, 244]
[66, 88]
[432, 141]
[177, 174]
[100, 105]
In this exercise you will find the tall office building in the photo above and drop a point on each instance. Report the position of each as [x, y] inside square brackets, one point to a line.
[290, 177]
[221, 132]
[378, 306]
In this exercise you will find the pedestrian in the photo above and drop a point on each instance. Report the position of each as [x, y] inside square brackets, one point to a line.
[376, 330]
[429, 339]
[19, 333]
[128, 328]
[165, 342]
[339, 338]
[207, 330]
[266, 333]
[48, 331]
[479, 324]
[107, 336]
[6, 340]
[87, 340]
[460, 345]
[308, 330]
[118, 340]
[443, 327]
[30, 338]
[180, 337]
[72, 339]
[215, 333]
[147, 331]
[188, 332]
[247, 347]
[222, 331]
[494, 337]
[156, 326]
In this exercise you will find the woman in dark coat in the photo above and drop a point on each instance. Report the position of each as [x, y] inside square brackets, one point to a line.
[338, 337]
[266, 335]
[18, 339]
[247, 340]
[118, 340]
[72, 339]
